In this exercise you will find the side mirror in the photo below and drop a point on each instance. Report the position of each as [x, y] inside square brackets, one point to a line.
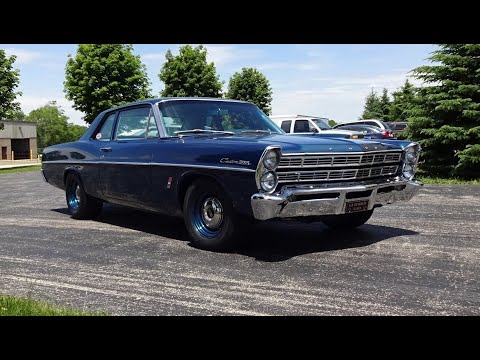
[314, 130]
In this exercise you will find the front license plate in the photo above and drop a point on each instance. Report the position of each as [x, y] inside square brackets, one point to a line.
[355, 206]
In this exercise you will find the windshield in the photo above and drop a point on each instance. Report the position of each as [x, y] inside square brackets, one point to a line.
[322, 124]
[182, 117]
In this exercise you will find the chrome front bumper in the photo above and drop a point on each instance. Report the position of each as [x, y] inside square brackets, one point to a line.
[295, 201]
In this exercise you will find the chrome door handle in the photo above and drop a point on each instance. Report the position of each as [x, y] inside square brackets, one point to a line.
[106, 149]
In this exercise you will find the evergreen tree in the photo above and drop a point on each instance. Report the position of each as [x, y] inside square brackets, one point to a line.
[445, 117]
[385, 103]
[373, 107]
[402, 102]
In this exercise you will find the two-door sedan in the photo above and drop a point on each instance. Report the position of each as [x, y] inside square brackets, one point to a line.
[220, 163]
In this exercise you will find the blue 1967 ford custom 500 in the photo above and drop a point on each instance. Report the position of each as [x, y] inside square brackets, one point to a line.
[219, 163]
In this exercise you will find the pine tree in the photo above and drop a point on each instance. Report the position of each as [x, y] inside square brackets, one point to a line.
[402, 102]
[373, 107]
[385, 103]
[445, 118]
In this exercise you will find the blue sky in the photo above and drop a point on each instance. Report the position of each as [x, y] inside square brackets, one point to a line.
[322, 80]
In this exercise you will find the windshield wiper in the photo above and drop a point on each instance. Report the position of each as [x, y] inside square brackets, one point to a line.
[201, 131]
[256, 132]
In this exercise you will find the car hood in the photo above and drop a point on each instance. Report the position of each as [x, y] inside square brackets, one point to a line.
[296, 143]
[244, 151]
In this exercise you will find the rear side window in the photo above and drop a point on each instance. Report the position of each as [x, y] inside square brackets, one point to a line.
[132, 123]
[105, 131]
[286, 125]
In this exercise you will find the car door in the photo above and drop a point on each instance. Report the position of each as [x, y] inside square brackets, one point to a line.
[126, 159]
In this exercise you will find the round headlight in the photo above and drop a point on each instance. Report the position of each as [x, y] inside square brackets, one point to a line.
[268, 181]
[271, 160]
[408, 171]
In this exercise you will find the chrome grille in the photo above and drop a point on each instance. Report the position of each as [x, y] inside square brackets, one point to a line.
[348, 174]
[305, 161]
[330, 167]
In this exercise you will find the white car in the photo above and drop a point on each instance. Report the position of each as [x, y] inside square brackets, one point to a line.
[305, 124]
[372, 122]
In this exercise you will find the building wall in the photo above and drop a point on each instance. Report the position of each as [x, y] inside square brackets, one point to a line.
[8, 144]
[18, 130]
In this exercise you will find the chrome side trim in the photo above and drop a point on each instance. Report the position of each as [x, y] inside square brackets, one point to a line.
[288, 205]
[205, 167]
[149, 164]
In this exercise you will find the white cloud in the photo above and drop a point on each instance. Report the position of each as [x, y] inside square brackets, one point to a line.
[23, 56]
[224, 54]
[339, 98]
[153, 57]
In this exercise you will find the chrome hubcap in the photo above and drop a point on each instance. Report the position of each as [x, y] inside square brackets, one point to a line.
[212, 213]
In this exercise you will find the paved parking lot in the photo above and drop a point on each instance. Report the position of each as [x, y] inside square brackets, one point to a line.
[416, 258]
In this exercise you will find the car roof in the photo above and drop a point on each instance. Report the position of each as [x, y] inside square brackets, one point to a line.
[164, 99]
[357, 126]
[291, 117]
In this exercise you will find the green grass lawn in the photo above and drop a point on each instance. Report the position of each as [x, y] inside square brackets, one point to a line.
[20, 169]
[440, 181]
[13, 306]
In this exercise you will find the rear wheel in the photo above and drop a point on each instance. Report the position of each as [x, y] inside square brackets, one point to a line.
[347, 221]
[209, 216]
[80, 205]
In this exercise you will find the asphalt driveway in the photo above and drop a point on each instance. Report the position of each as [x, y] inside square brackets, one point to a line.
[416, 258]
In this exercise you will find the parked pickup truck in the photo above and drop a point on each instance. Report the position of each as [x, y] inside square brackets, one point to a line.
[305, 124]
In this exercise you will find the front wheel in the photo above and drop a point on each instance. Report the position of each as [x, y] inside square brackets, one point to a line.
[80, 205]
[347, 221]
[209, 216]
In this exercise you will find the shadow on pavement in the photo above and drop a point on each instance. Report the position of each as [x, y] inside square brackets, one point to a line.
[279, 241]
[166, 226]
[272, 241]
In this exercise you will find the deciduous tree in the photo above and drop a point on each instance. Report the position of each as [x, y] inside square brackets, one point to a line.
[251, 85]
[9, 80]
[189, 74]
[52, 125]
[101, 76]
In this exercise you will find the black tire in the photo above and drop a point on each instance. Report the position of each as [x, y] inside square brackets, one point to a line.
[347, 221]
[80, 205]
[209, 216]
